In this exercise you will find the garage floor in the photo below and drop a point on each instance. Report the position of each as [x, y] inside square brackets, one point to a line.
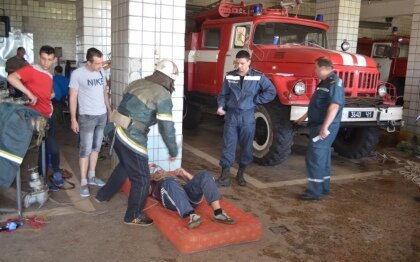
[371, 214]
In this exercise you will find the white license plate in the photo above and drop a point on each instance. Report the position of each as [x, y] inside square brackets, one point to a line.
[360, 114]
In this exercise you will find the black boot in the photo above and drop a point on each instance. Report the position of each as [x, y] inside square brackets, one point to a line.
[224, 179]
[240, 176]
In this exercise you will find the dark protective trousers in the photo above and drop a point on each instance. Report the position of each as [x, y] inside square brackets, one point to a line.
[318, 161]
[239, 127]
[136, 167]
[183, 199]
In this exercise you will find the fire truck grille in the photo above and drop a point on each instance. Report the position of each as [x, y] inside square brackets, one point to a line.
[364, 82]
[347, 78]
[368, 80]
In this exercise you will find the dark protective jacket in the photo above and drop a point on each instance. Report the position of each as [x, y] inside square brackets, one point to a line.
[149, 103]
[15, 137]
[256, 89]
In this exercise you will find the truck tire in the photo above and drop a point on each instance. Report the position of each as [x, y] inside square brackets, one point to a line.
[273, 134]
[192, 116]
[356, 142]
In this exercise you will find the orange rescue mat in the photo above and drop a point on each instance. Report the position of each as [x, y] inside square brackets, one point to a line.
[209, 234]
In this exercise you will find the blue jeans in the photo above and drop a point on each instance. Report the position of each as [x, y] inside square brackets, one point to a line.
[239, 127]
[136, 168]
[318, 161]
[183, 199]
[51, 147]
[91, 133]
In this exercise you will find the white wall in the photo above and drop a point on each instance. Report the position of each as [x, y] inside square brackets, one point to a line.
[53, 32]
[53, 23]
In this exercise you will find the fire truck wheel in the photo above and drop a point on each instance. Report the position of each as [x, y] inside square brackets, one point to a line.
[192, 116]
[356, 142]
[273, 134]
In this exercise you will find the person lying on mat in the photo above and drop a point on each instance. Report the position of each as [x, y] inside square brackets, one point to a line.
[180, 191]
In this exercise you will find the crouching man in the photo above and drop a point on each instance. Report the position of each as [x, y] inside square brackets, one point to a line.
[182, 192]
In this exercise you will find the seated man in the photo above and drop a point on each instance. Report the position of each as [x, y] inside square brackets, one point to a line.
[180, 191]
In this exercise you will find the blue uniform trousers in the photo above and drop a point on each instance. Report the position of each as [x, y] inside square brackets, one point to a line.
[239, 125]
[183, 199]
[318, 161]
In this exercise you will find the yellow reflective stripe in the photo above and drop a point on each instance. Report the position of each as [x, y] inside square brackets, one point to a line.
[131, 143]
[165, 117]
[11, 157]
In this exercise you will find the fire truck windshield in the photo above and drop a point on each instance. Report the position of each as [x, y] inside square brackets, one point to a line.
[276, 33]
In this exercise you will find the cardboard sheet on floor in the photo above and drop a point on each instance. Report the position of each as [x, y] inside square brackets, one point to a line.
[209, 234]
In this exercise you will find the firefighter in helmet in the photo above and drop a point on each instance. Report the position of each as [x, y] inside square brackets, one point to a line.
[243, 89]
[145, 102]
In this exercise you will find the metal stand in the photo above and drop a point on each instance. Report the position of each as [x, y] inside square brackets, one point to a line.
[18, 194]
[19, 186]
[18, 198]
[43, 158]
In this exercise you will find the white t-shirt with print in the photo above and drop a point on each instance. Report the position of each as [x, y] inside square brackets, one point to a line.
[91, 86]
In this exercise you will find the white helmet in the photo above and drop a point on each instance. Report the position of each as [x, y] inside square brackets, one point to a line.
[168, 68]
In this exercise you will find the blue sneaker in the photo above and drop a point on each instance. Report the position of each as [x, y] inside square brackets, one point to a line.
[53, 188]
[84, 191]
[58, 179]
[95, 181]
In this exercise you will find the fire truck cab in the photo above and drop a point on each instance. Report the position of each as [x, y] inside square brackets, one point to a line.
[285, 49]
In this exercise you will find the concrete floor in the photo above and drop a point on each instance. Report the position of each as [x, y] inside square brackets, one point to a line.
[370, 215]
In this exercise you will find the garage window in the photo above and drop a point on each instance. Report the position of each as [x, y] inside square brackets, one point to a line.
[212, 38]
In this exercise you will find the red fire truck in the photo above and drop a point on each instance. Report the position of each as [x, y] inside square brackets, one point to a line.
[391, 55]
[285, 49]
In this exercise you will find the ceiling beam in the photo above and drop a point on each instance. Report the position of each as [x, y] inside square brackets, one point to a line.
[377, 9]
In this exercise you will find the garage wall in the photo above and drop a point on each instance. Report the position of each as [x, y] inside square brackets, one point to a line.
[51, 23]
[53, 32]
[93, 27]
[403, 23]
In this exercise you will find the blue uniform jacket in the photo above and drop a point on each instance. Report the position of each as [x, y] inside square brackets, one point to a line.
[256, 89]
[328, 91]
[61, 87]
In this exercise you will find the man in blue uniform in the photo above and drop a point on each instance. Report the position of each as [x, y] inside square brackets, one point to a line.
[243, 89]
[181, 191]
[324, 115]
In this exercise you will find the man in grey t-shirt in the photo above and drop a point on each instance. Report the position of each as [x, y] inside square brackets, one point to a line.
[88, 91]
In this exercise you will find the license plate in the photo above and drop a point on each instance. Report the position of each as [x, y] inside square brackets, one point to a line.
[360, 114]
